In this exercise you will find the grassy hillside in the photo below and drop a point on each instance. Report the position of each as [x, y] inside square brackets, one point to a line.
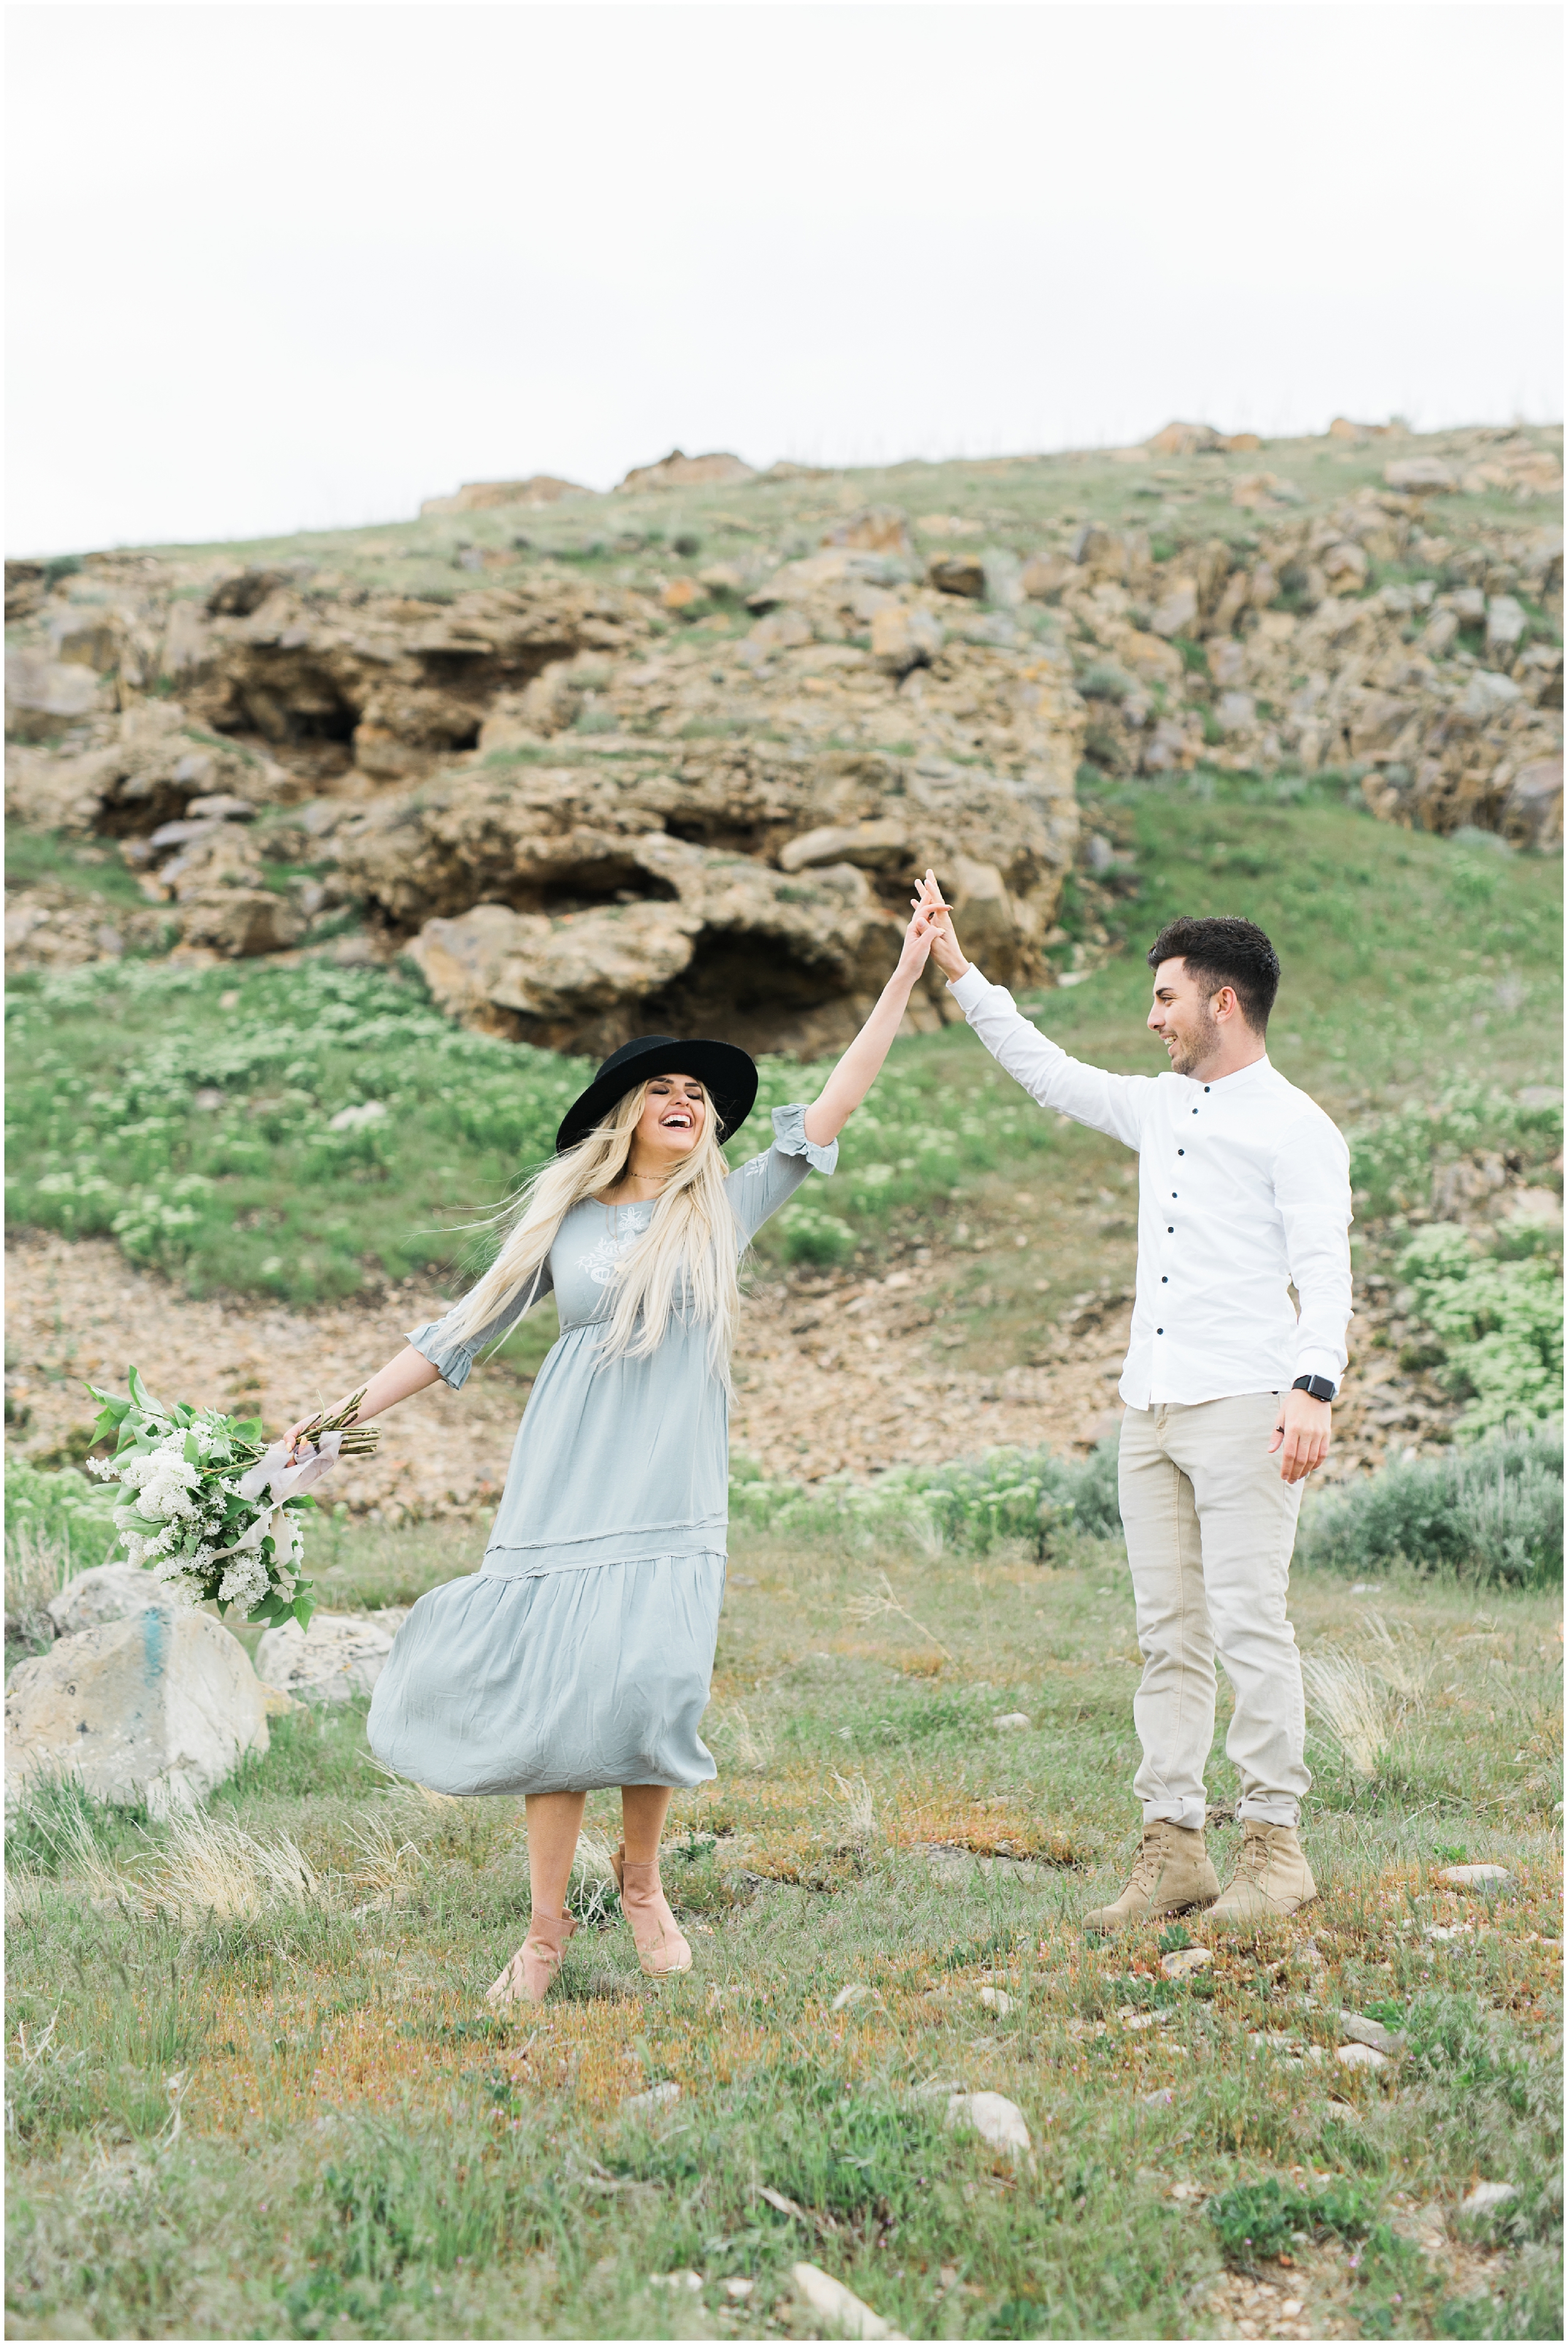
[198, 1115]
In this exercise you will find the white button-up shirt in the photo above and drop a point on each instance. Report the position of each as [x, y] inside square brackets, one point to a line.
[1244, 1190]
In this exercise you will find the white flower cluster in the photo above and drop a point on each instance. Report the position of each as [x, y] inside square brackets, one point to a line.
[172, 1520]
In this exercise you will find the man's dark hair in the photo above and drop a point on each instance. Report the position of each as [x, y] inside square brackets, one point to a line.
[1225, 952]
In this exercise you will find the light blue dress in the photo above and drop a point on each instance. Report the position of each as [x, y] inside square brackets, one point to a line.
[580, 1655]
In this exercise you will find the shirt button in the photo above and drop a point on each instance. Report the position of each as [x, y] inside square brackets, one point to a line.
[1181, 1151]
[1170, 1229]
[1159, 1331]
[1164, 1282]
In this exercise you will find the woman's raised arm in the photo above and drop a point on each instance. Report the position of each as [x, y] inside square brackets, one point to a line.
[861, 1062]
[407, 1373]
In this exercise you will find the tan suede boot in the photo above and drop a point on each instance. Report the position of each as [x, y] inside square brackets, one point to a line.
[1172, 1875]
[1272, 1879]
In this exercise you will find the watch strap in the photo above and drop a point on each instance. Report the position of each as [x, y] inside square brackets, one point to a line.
[1318, 1387]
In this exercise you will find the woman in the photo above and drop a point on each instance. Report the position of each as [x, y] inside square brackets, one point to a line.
[579, 1656]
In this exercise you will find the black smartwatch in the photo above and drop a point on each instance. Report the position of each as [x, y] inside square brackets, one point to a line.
[1318, 1386]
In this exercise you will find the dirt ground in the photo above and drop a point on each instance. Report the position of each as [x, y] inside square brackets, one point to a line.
[834, 1373]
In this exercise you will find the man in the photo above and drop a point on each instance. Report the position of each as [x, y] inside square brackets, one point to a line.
[1244, 1190]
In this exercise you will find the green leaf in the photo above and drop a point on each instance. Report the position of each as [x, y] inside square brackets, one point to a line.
[192, 1450]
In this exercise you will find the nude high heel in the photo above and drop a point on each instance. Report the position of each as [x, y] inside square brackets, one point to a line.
[661, 1949]
[532, 1972]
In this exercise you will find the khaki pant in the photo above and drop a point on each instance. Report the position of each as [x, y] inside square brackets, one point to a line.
[1210, 1529]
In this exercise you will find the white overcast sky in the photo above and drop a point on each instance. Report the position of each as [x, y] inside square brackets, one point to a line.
[279, 267]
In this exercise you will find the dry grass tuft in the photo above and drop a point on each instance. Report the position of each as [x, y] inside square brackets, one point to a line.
[207, 1865]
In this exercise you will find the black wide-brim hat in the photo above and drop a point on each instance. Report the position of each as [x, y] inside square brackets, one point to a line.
[727, 1075]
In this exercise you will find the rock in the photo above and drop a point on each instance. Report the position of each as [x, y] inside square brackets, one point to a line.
[722, 578]
[681, 592]
[1236, 712]
[1226, 661]
[678, 472]
[241, 921]
[649, 2104]
[1542, 1208]
[873, 846]
[1487, 694]
[688, 2283]
[38, 685]
[158, 1706]
[880, 529]
[219, 809]
[111, 1591]
[1506, 620]
[1184, 439]
[1177, 610]
[336, 1658]
[485, 496]
[1361, 2055]
[1485, 2198]
[904, 636]
[998, 2121]
[1012, 1721]
[1419, 475]
[1371, 2032]
[847, 1996]
[1532, 810]
[1042, 577]
[957, 574]
[997, 1999]
[1186, 1962]
[836, 2307]
[780, 631]
[1345, 566]
[1148, 657]
[1475, 1877]
[1438, 634]
[1467, 604]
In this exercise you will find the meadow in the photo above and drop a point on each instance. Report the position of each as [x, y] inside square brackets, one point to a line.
[256, 2090]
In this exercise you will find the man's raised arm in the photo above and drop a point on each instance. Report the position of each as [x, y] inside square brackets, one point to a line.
[1111, 1103]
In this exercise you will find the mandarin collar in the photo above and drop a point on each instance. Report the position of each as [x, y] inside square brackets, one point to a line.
[1235, 1082]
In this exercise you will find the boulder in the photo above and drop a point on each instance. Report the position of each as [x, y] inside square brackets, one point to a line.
[678, 472]
[1533, 809]
[1506, 620]
[485, 496]
[1487, 695]
[1345, 566]
[336, 1658]
[904, 636]
[998, 2121]
[1420, 475]
[239, 922]
[879, 529]
[957, 574]
[1185, 439]
[111, 1591]
[835, 2309]
[38, 686]
[1177, 610]
[1042, 577]
[157, 1707]
[873, 846]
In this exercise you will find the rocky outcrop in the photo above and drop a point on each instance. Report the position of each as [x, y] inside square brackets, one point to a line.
[157, 1707]
[485, 496]
[678, 472]
[589, 780]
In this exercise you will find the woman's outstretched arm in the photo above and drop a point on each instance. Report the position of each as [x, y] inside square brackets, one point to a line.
[861, 1062]
[408, 1373]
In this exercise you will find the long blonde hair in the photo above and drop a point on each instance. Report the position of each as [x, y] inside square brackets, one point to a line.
[684, 1263]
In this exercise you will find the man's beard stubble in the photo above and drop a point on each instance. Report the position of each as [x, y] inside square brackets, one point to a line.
[1203, 1045]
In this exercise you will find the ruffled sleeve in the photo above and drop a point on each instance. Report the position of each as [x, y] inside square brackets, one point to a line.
[790, 1140]
[452, 1355]
[761, 1187]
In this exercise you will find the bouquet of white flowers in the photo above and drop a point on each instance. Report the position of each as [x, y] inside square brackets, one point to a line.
[205, 1504]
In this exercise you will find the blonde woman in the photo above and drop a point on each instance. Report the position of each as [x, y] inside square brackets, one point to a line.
[579, 1656]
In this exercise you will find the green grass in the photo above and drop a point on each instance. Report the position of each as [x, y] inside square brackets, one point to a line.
[363, 2149]
[189, 1112]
